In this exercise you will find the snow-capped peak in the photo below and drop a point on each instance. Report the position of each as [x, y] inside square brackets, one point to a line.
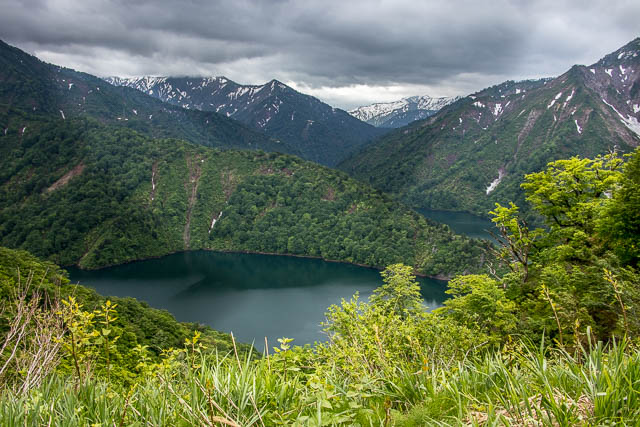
[400, 113]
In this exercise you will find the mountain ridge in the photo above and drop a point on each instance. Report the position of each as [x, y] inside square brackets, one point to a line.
[400, 113]
[29, 84]
[474, 152]
[320, 132]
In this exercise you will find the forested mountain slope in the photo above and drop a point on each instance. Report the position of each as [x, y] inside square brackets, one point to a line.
[41, 90]
[78, 192]
[319, 132]
[475, 152]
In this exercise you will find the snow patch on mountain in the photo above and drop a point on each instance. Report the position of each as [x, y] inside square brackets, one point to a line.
[566, 101]
[403, 111]
[630, 122]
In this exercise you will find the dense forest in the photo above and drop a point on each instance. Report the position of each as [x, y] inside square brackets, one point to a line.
[552, 341]
[79, 192]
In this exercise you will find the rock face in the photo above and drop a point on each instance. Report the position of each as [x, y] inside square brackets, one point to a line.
[318, 131]
[401, 113]
[476, 151]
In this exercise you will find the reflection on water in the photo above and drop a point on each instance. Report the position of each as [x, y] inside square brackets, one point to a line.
[252, 295]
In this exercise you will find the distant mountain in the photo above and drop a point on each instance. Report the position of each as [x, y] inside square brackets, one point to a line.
[46, 90]
[320, 133]
[476, 151]
[401, 113]
[84, 180]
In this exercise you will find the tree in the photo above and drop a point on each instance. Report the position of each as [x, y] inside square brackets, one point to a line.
[400, 293]
[621, 223]
[515, 238]
[570, 193]
[479, 302]
[557, 283]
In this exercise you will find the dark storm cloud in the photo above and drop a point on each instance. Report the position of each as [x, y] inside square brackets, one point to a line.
[445, 45]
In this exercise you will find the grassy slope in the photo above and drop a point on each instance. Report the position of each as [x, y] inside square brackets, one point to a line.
[511, 386]
[140, 324]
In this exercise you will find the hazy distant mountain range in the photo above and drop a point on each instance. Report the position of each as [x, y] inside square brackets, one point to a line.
[318, 131]
[400, 113]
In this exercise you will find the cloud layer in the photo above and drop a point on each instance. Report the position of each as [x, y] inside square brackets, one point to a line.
[345, 52]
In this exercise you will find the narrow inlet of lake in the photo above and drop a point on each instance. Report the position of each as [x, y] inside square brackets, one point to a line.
[254, 296]
[462, 223]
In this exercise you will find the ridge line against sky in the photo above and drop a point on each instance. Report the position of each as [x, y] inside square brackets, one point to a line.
[345, 53]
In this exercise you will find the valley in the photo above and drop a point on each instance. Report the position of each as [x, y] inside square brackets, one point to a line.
[189, 250]
[318, 131]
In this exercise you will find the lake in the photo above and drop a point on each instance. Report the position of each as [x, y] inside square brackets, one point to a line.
[250, 294]
[463, 223]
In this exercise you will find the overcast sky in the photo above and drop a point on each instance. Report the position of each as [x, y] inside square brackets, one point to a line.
[345, 52]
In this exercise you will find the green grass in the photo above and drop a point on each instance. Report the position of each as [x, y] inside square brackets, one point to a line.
[382, 366]
[598, 386]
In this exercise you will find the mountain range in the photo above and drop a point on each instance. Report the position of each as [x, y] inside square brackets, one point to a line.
[92, 175]
[62, 127]
[475, 151]
[318, 131]
[401, 113]
[44, 90]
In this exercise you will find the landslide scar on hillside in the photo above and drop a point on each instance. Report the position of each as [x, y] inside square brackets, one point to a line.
[154, 171]
[194, 166]
[66, 178]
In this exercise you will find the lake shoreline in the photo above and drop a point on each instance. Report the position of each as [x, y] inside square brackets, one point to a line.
[436, 277]
[463, 219]
[253, 295]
